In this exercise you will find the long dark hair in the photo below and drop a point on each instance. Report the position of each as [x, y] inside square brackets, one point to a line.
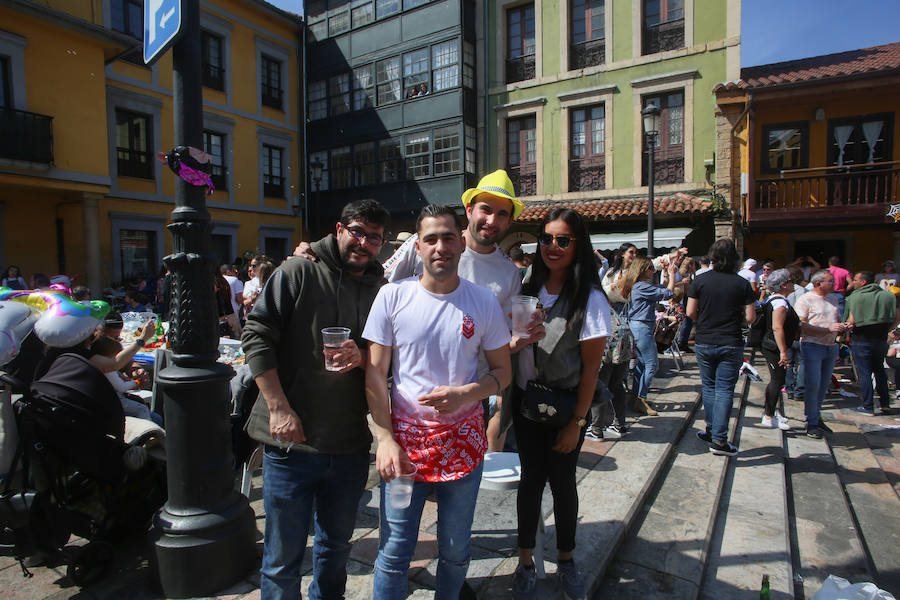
[619, 258]
[582, 276]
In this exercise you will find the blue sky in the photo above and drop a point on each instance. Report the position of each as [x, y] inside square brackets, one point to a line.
[777, 30]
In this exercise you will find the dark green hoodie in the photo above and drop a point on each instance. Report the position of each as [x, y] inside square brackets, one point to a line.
[284, 331]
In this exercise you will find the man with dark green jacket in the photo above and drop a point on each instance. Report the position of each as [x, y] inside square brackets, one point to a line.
[872, 312]
[312, 421]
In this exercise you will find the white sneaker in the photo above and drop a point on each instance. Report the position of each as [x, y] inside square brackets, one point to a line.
[767, 421]
[782, 422]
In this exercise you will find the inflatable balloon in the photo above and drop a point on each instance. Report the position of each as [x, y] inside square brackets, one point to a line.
[63, 322]
[16, 322]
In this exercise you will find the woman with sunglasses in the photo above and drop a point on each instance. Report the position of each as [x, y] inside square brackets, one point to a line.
[638, 288]
[564, 278]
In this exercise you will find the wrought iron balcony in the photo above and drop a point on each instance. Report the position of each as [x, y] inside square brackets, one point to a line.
[846, 193]
[524, 179]
[587, 54]
[664, 36]
[273, 186]
[134, 163]
[520, 68]
[26, 136]
[585, 176]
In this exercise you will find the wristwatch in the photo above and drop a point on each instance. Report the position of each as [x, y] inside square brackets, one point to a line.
[581, 422]
[140, 344]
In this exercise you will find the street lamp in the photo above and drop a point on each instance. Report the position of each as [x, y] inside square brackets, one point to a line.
[651, 130]
[316, 167]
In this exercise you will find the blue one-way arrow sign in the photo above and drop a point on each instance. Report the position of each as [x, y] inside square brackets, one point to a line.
[162, 22]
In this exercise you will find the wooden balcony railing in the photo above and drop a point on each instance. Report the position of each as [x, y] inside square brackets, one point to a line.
[833, 193]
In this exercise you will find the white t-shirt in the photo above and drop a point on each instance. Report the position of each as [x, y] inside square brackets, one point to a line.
[237, 287]
[435, 340]
[494, 271]
[595, 325]
[748, 275]
[251, 287]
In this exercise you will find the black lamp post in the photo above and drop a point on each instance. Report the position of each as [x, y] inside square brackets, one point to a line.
[651, 130]
[204, 537]
[316, 167]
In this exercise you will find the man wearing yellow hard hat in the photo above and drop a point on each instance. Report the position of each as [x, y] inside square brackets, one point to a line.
[491, 207]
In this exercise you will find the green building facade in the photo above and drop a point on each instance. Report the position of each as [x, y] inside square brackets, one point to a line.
[562, 86]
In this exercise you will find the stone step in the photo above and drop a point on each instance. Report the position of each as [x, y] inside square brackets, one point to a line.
[824, 534]
[874, 503]
[612, 489]
[752, 531]
[665, 554]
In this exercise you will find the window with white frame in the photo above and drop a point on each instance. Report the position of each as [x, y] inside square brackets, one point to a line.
[415, 71]
[390, 160]
[365, 164]
[341, 168]
[446, 150]
[387, 77]
[318, 100]
[384, 8]
[363, 87]
[214, 145]
[340, 94]
[418, 155]
[362, 15]
[445, 65]
[471, 144]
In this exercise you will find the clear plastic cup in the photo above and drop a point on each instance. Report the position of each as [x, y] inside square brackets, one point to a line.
[522, 309]
[332, 338]
[400, 488]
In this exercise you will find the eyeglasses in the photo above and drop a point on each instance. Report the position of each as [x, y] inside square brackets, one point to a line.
[563, 241]
[360, 234]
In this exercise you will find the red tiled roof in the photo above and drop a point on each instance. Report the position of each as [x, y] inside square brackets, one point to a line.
[598, 210]
[875, 60]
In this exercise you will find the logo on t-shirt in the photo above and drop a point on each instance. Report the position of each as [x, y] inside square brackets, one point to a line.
[468, 326]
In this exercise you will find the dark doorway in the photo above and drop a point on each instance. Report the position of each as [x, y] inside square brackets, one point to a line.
[820, 250]
[221, 248]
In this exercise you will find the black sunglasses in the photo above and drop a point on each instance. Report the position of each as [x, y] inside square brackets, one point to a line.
[563, 241]
[359, 235]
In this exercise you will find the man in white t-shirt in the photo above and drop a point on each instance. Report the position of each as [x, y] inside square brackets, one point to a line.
[429, 331]
[491, 207]
[749, 274]
[236, 285]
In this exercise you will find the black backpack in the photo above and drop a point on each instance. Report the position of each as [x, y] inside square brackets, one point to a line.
[760, 326]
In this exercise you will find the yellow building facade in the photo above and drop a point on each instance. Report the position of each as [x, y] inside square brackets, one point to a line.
[82, 120]
[808, 151]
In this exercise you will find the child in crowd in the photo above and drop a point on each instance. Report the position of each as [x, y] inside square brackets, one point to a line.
[109, 347]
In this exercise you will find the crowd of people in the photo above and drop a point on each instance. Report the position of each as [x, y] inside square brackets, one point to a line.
[435, 320]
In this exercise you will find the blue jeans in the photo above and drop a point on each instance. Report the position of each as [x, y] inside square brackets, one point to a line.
[818, 365]
[292, 481]
[684, 334]
[400, 532]
[647, 359]
[793, 381]
[869, 360]
[719, 367]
